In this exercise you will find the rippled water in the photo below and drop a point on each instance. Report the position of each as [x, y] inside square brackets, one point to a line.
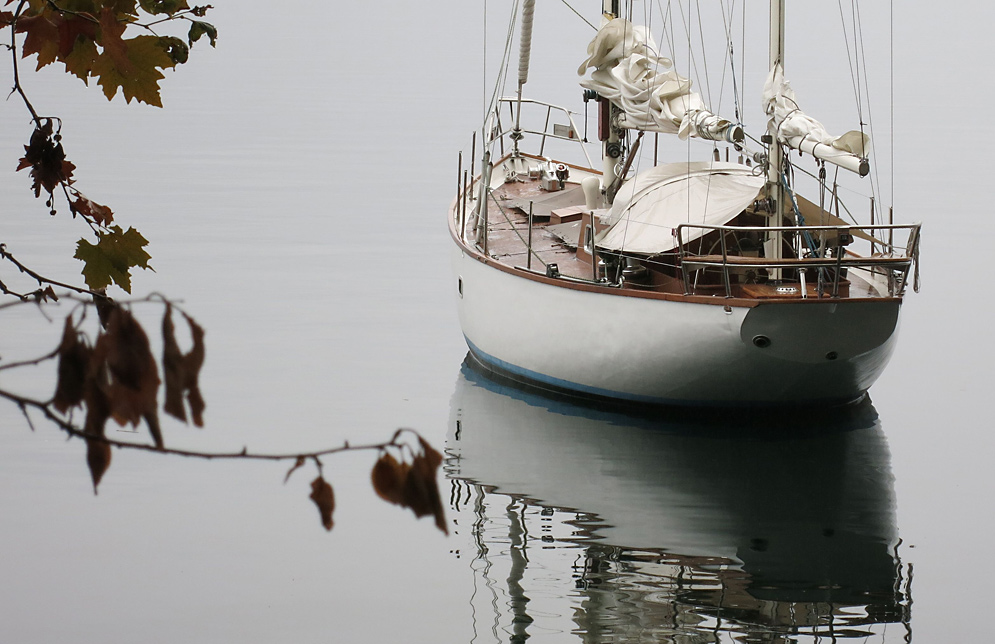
[294, 190]
[685, 529]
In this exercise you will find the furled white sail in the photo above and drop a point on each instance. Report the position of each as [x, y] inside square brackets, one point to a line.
[630, 72]
[649, 207]
[802, 132]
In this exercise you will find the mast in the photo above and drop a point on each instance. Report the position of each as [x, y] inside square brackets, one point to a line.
[776, 158]
[524, 54]
[610, 143]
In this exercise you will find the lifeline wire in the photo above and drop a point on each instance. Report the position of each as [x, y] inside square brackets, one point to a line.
[579, 15]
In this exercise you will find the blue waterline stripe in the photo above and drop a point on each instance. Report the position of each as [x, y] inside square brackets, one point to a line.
[534, 376]
[526, 375]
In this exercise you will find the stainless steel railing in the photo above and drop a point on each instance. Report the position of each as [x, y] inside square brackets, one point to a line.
[826, 254]
[495, 130]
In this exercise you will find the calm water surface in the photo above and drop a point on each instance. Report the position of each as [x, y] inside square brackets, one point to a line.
[294, 191]
[683, 529]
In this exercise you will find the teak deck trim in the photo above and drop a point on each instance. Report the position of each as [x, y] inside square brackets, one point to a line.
[642, 291]
[795, 262]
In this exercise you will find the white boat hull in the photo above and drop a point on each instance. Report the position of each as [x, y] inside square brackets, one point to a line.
[658, 351]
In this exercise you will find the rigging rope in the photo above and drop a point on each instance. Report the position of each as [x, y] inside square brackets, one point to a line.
[483, 63]
[503, 71]
[849, 60]
[891, 83]
[875, 177]
[727, 24]
[704, 63]
[691, 56]
[742, 55]
[857, 60]
[579, 15]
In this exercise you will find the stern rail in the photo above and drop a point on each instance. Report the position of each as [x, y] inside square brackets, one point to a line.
[826, 255]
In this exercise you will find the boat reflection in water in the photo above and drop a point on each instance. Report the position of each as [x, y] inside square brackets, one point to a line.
[607, 527]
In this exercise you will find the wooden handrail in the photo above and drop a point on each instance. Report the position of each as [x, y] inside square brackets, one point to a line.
[793, 262]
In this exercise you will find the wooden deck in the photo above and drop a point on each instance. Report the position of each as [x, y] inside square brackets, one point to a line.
[508, 229]
[558, 227]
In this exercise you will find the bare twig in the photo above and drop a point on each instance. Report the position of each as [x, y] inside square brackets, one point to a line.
[78, 14]
[30, 363]
[13, 55]
[27, 417]
[176, 16]
[25, 403]
[4, 254]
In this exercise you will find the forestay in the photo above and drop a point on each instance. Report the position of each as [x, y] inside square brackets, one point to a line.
[649, 207]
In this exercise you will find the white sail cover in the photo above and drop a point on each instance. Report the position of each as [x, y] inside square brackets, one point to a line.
[794, 128]
[630, 72]
[649, 207]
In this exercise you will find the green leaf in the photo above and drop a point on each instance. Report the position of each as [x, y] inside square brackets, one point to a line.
[176, 48]
[112, 258]
[198, 28]
[138, 74]
[80, 60]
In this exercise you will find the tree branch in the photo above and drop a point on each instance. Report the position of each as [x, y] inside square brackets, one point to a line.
[176, 16]
[78, 14]
[116, 376]
[30, 363]
[4, 254]
[13, 55]
[25, 403]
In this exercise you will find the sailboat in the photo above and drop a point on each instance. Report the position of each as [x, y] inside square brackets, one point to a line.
[681, 281]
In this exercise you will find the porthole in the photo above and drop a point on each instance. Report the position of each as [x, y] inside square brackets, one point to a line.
[761, 341]
[460, 286]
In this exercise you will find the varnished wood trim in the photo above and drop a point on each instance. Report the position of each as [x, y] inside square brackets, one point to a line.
[825, 262]
[715, 300]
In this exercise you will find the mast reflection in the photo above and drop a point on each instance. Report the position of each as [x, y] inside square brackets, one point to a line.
[604, 526]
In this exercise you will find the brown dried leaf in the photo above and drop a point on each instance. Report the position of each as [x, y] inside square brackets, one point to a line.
[41, 36]
[114, 46]
[98, 407]
[74, 364]
[104, 305]
[74, 30]
[134, 381]
[182, 371]
[433, 457]
[91, 209]
[388, 478]
[324, 498]
[152, 422]
[98, 457]
[172, 368]
[421, 492]
[192, 362]
[197, 406]
[47, 160]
